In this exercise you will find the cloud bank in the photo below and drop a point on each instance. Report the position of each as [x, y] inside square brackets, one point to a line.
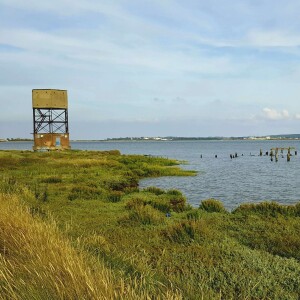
[157, 62]
[273, 114]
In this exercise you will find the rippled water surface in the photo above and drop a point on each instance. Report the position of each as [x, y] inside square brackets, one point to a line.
[247, 178]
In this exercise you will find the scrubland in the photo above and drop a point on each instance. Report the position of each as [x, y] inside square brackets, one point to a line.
[75, 225]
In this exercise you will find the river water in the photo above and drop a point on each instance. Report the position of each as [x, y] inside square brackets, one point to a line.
[247, 178]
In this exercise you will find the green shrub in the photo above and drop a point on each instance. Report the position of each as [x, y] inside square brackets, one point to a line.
[122, 183]
[212, 205]
[143, 214]
[161, 204]
[115, 196]
[85, 192]
[154, 190]
[174, 192]
[135, 201]
[269, 209]
[183, 232]
[193, 215]
[164, 202]
[143, 199]
[9, 185]
[52, 179]
[177, 200]
[178, 203]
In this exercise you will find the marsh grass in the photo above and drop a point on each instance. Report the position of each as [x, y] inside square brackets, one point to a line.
[164, 201]
[144, 215]
[193, 215]
[52, 179]
[121, 245]
[37, 262]
[212, 205]
[272, 209]
[183, 232]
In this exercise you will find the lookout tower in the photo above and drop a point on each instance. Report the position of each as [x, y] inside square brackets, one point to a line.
[50, 119]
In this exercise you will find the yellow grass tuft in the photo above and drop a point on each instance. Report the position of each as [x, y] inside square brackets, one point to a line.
[37, 262]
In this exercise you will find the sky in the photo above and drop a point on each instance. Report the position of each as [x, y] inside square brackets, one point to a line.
[134, 68]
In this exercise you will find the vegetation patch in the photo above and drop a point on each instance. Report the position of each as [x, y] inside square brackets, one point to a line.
[182, 232]
[85, 192]
[269, 209]
[52, 179]
[126, 243]
[212, 205]
[144, 215]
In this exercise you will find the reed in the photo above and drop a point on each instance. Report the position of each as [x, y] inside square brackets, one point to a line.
[93, 234]
[37, 262]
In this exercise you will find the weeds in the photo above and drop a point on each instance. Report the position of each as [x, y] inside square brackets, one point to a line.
[212, 205]
[52, 179]
[144, 215]
[183, 232]
[269, 209]
[85, 192]
[124, 246]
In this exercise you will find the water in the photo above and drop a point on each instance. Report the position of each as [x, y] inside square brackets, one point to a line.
[247, 178]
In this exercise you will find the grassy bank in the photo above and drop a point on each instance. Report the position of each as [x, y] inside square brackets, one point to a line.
[74, 225]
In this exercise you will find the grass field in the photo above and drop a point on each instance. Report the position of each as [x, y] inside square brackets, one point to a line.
[75, 225]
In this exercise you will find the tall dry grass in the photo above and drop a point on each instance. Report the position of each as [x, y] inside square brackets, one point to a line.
[37, 262]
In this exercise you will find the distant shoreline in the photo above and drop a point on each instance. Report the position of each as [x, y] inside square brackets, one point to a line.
[171, 139]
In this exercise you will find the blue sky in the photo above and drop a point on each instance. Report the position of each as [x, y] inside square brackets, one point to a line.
[153, 68]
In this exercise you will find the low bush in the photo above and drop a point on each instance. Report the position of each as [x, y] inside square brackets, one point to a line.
[135, 201]
[269, 209]
[154, 190]
[183, 232]
[176, 201]
[121, 183]
[193, 215]
[52, 179]
[164, 202]
[115, 196]
[212, 205]
[161, 204]
[85, 192]
[174, 192]
[144, 215]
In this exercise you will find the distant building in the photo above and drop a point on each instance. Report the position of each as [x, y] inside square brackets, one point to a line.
[50, 119]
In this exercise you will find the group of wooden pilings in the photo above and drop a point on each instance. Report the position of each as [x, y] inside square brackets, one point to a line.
[274, 153]
[231, 155]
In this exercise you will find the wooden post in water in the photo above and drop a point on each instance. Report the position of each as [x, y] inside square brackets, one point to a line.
[288, 157]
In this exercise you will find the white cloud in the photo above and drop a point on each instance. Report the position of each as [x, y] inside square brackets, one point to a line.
[115, 56]
[273, 114]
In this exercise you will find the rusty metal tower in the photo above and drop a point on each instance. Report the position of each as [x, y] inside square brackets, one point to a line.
[50, 119]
